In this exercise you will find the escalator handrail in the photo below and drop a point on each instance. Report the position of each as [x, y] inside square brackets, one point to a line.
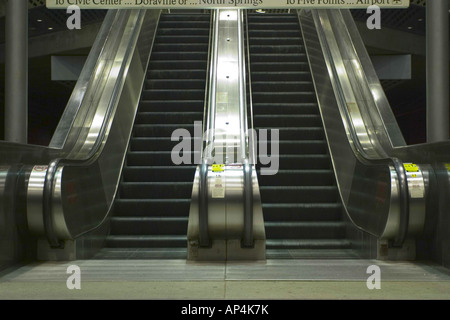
[248, 154]
[79, 93]
[363, 156]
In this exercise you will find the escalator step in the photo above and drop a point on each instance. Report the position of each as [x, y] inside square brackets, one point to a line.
[308, 244]
[149, 225]
[172, 105]
[151, 207]
[157, 158]
[168, 64]
[277, 49]
[302, 211]
[159, 174]
[164, 94]
[306, 96]
[281, 76]
[301, 162]
[152, 190]
[295, 194]
[176, 74]
[181, 47]
[168, 117]
[298, 178]
[282, 86]
[287, 120]
[305, 230]
[160, 130]
[297, 133]
[279, 66]
[161, 144]
[146, 241]
[285, 108]
[306, 147]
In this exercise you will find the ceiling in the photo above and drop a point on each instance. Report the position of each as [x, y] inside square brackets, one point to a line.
[47, 98]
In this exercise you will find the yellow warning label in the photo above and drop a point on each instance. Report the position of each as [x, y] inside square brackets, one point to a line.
[218, 167]
[448, 166]
[411, 167]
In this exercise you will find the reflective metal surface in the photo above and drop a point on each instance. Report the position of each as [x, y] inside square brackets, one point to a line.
[91, 140]
[357, 183]
[381, 192]
[225, 220]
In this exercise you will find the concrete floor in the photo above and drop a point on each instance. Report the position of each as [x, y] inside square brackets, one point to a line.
[272, 279]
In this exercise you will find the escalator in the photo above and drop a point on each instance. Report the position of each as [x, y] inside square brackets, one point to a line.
[152, 205]
[301, 205]
[341, 159]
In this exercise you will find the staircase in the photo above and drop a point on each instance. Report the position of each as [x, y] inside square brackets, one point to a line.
[152, 207]
[301, 204]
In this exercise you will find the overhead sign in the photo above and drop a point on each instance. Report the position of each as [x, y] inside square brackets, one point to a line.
[226, 4]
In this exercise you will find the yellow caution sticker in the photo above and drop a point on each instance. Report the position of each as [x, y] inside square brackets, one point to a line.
[448, 166]
[218, 167]
[411, 167]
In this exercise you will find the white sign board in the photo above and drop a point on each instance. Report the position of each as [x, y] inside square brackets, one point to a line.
[226, 4]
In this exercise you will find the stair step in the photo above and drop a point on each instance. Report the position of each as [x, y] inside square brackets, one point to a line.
[147, 241]
[161, 130]
[281, 76]
[295, 194]
[306, 147]
[182, 38]
[302, 211]
[162, 144]
[308, 244]
[305, 230]
[175, 84]
[152, 207]
[155, 190]
[263, 108]
[276, 41]
[149, 225]
[172, 105]
[167, 64]
[274, 25]
[193, 30]
[159, 158]
[180, 47]
[185, 17]
[299, 162]
[305, 96]
[287, 120]
[168, 117]
[282, 86]
[177, 74]
[159, 174]
[296, 133]
[182, 94]
[299, 178]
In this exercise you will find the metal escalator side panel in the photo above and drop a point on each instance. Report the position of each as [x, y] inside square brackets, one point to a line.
[358, 185]
[84, 186]
[218, 227]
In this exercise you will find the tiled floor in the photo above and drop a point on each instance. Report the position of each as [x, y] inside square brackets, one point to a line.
[271, 279]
